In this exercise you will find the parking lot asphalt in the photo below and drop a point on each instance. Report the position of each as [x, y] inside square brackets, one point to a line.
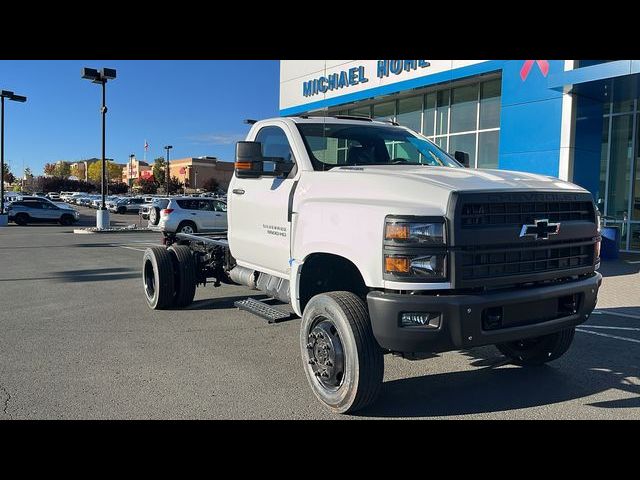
[77, 341]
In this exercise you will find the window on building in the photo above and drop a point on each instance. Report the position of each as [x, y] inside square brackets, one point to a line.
[488, 149]
[490, 104]
[464, 143]
[442, 113]
[429, 114]
[410, 113]
[469, 112]
[361, 111]
[464, 104]
[384, 111]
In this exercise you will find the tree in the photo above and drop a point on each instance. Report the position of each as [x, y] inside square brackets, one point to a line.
[116, 188]
[146, 185]
[57, 184]
[211, 185]
[49, 168]
[175, 185]
[77, 172]
[7, 176]
[27, 173]
[114, 172]
[62, 170]
[158, 170]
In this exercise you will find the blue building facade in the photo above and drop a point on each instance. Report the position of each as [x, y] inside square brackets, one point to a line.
[572, 119]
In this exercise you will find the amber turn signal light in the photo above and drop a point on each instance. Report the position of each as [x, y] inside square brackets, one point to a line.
[243, 165]
[398, 231]
[396, 264]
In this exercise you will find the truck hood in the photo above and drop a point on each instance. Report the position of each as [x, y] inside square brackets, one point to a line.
[420, 188]
[457, 179]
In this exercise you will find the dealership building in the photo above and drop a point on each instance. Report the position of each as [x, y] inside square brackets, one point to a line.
[572, 119]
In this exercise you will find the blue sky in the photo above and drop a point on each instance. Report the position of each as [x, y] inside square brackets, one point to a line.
[196, 106]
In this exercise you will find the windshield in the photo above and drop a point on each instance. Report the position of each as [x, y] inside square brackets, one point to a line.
[338, 144]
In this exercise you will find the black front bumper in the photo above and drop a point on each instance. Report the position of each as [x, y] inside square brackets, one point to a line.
[469, 320]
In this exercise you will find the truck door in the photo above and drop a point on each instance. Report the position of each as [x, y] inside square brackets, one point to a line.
[259, 230]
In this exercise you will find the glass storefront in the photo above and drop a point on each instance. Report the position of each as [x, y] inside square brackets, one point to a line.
[619, 196]
[465, 118]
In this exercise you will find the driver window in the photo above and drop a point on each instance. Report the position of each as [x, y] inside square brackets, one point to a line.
[275, 144]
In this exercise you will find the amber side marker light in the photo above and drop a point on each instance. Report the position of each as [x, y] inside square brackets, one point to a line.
[243, 165]
[398, 231]
[396, 264]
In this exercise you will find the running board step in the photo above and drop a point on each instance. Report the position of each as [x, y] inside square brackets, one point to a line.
[261, 309]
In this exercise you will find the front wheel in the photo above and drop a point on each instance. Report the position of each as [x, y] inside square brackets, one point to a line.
[21, 219]
[538, 350]
[66, 220]
[341, 358]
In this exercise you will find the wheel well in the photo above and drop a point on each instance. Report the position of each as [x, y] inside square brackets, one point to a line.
[325, 272]
[187, 222]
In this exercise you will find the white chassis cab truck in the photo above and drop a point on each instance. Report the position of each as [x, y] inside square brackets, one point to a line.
[383, 243]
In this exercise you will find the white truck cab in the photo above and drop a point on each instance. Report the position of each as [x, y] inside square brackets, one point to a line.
[384, 243]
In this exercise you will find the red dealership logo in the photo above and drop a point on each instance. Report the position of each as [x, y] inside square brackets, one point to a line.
[543, 65]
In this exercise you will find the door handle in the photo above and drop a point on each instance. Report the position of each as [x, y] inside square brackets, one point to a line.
[192, 213]
[238, 191]
[218, 214]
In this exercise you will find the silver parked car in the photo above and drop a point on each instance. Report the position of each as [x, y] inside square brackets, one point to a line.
[40, 210]
[151, 211]
[192, 215]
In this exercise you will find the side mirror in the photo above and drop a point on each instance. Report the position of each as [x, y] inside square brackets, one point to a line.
[462, 157]
[251, 164]
[249, 160]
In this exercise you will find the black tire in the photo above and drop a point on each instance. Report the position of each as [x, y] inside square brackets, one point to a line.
[185, 274]
[361, 357]
[122, 210]
[538, 350]
[158, 278]
[21, 219]
[66, 220]
[154, 216]
[187, 225]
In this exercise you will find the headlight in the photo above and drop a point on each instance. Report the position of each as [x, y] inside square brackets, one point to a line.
[405, 230]
[422, 267]
[599, 220]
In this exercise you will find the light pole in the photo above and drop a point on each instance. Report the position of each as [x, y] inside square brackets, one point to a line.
[167, 173]
[101, 76]
[130, 182]
[16, 98]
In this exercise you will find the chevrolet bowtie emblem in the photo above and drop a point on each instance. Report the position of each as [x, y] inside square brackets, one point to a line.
[540, 230]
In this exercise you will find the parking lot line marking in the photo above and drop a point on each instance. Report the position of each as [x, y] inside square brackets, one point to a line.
[626, 315]
[132, 248]
[633, 329]
[633, 340]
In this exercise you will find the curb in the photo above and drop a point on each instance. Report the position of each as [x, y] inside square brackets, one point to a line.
[94, 230]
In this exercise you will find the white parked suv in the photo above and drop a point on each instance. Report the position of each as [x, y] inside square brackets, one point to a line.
[192, 215]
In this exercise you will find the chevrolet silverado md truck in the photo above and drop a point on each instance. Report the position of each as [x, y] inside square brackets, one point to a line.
[384, 243]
